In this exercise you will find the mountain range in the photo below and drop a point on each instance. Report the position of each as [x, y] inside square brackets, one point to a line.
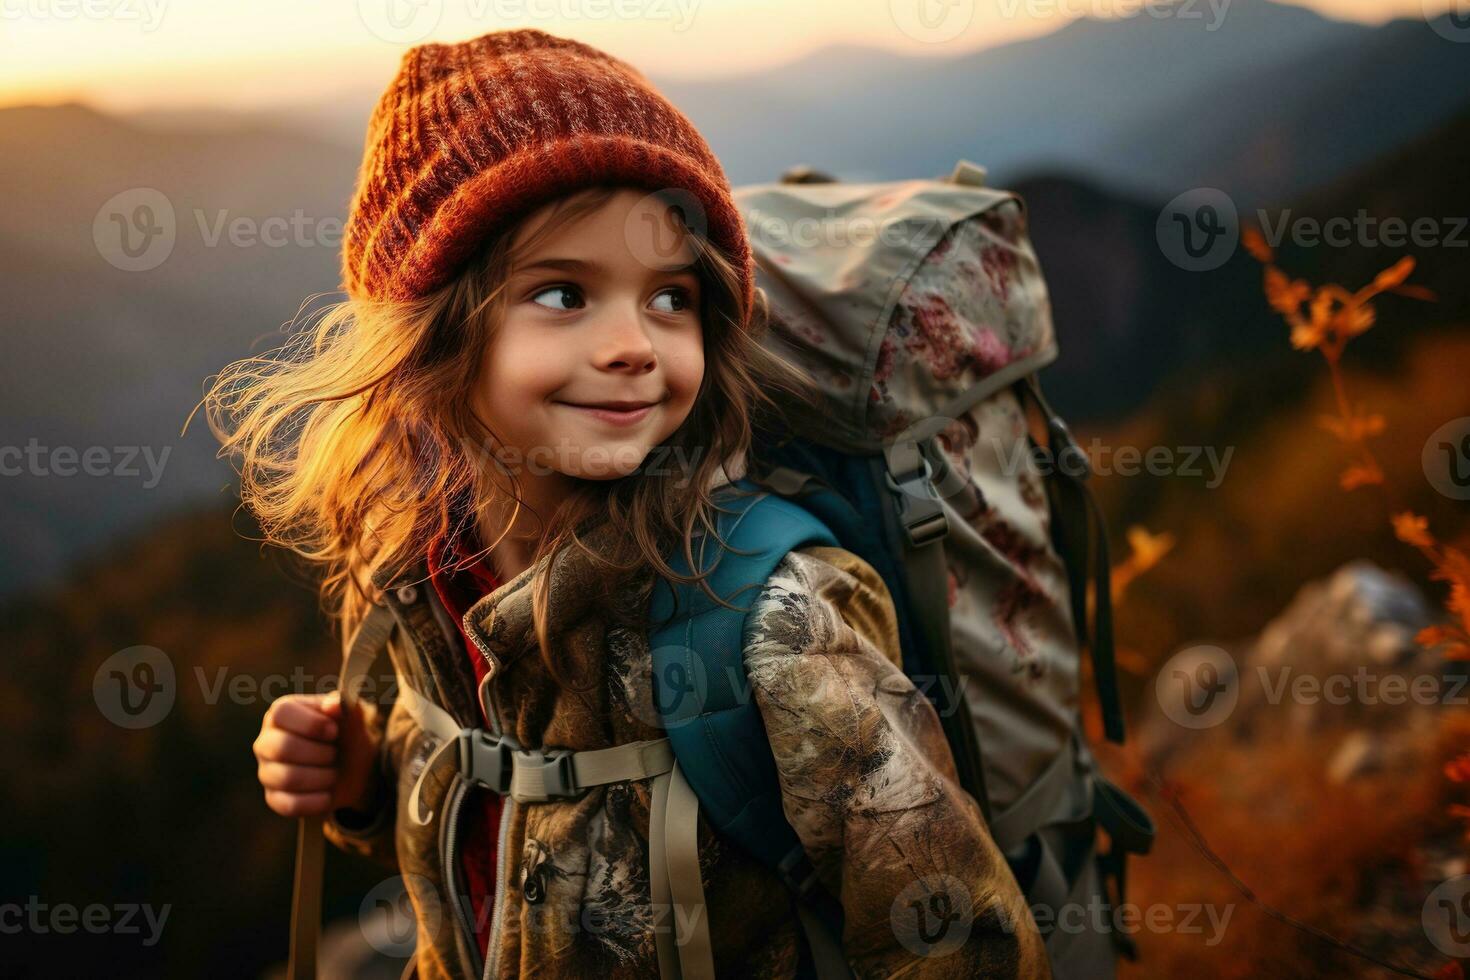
[1096, 124]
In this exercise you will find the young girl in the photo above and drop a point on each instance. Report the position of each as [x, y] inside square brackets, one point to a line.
[547, 364]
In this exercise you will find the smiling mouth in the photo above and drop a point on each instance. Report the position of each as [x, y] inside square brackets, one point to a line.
[613, 413]
[620, 406]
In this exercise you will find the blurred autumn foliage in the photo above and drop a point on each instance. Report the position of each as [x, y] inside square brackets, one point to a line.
[1347, 860]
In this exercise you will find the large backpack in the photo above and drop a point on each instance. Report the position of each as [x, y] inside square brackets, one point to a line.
[924, 334]
[919, 309]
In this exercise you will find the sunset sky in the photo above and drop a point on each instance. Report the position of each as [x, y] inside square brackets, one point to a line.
[127, 54]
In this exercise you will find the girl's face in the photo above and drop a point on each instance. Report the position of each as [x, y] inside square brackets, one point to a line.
[603, 311]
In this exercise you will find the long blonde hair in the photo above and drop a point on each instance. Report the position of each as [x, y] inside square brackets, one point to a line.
[354, 439]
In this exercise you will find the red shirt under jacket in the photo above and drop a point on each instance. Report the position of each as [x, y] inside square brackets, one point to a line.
[479, 827]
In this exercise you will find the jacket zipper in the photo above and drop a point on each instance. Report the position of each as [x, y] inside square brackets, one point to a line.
[507, 814]
[454, 873]
[454, 881]
[502, 887]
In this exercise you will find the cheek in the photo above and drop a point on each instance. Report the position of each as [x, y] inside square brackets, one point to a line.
[684, 363]
[515, 373]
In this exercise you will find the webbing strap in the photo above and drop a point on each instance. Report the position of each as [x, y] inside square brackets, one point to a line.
[664, 921]
[677, 890]
[367, 644]
[1037, 802]
[525, 775]
[686, 888]
[910, 476]
[1079, 534]
[827, 955]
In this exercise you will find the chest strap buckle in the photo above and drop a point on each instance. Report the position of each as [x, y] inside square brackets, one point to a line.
[542, 775]
[485, 759]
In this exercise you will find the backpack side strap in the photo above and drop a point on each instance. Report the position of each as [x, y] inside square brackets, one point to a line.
[1079, 534]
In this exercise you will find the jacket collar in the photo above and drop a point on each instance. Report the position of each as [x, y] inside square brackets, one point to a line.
[501, 624]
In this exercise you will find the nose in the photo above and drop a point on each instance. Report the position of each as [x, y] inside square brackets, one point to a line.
[626, 346]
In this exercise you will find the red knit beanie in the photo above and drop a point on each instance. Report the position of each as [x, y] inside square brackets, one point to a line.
[470, 136]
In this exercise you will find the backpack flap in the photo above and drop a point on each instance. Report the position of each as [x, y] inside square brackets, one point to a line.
[897, 298]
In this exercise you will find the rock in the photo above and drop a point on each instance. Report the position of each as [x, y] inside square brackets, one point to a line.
[1340, 655]
[1356, 755]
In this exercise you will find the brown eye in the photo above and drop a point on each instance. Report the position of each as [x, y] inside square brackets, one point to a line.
[563, 291]
[680, 299]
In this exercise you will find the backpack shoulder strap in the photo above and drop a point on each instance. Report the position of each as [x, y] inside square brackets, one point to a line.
[703, 697]
[701, 690]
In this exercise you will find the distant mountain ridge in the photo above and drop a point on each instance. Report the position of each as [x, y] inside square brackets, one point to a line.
[1265, 100]
[104, 357]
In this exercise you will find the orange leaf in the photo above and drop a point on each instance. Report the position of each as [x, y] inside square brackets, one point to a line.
[1356, 428]
[1394, 275]
[1148, 548]
[1434, 635]
[1415, 292]
[1322, 307]
[1308, 336]
[1255, 243]
[1457, 770]
[1412, 529]
[1131, 661]
[1456, 651]
[1354, 319]
[1360, 475]
[1285, 295]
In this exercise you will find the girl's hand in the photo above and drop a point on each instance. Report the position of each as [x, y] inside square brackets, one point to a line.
[312, 760]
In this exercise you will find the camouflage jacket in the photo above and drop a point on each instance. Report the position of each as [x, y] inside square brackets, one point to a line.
[867, 779]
